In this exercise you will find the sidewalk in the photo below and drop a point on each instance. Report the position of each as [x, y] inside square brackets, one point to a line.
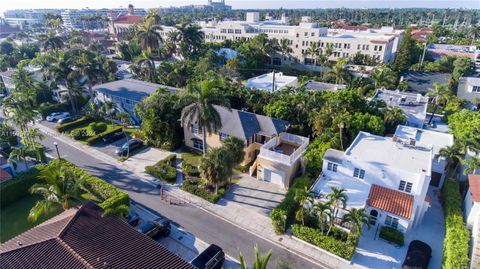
[239, 216]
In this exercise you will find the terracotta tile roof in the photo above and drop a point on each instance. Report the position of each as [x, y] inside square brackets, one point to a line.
[474, 182]
[128, 19]
[84, 239]
[4, 175]
[395, 202]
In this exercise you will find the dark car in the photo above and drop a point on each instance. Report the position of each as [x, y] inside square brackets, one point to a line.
[64, 120]
[418, 255]
[130, 146]
[133, 219]
[157, 228]
[110, 138]
[211, 258]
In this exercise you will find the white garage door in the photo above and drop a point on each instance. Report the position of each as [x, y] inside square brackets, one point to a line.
[273, 176]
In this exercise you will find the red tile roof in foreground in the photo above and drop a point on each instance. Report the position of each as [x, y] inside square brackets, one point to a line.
[395, 202]
[83, 239]
[474, 182]
[128, 19]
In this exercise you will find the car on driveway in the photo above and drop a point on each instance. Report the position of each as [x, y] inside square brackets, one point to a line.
[64, 120]
[110, 138]
[158, 228]
[211, 258]
[57, 116]
[418, 255]
[130, 146]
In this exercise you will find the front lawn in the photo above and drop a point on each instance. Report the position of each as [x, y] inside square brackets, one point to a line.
[190, 156]
[85, 132]
[13, 218]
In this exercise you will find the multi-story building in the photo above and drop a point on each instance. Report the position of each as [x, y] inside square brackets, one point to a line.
[73, 18]
[26, 17]
[120, 22]
[378, 44]
[272, 82]
[469, 89]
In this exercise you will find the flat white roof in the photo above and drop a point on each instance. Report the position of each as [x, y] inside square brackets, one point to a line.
[265, 81]
[383, 151]
[428, 138]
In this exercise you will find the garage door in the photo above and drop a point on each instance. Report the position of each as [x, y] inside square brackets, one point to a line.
[273, 176]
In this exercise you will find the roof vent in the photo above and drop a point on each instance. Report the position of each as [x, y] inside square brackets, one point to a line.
[19, 243]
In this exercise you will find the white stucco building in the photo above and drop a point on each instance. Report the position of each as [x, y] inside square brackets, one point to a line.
[272, 82]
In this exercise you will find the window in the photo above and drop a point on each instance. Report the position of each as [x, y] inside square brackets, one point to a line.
[375, 48]
[238, 31]
[223, 31]
[277, 61]
[405, 186]
[195, 129]
[380, 48]
[306, 34]
[332, 167]
[391, 222]
[476, 89]
[223, 136]
[359, 173]
[198, 144]
[313, 34]
[230, 31]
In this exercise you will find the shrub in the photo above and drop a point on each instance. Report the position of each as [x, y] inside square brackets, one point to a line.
[164, 169]
[97, 127]
[457, 236]
[18, 187]
[70, 125]
[202, 192]
[96, 138]
[79, 134]
[189, 169]
[392, 235]
[342, 248]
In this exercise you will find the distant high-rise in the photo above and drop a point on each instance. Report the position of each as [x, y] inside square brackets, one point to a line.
[27, 17]
[72, 18]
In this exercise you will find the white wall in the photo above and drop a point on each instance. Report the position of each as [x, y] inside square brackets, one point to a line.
[471, 209]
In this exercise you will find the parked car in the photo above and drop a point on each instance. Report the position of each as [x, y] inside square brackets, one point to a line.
[131, 145]
[57, 115]
[64, 120]
[133, 219]
[418, 255]
[211, 258]
[110, 138]
[157, 228]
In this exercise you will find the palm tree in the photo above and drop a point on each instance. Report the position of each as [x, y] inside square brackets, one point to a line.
[392, 116]
[20, 153]
[189, 39]
[440, 95]
[149, 36]
[305, 199]
[146, 64]
[61, 189]
[337, 198]
[125, 119]
[339, 71]
[90, 69]
[284, 46]
[213, 167]
[260, 262]
[471, 165]
[451, 154]
[357, 217]
[313, 51]
[51, 41]
[383, 77]
[323, 211]
[110, 109]
[199, 107]
[235, 147]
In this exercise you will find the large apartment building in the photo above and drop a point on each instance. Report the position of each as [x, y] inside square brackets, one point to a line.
[72, 18]
[380, 44]
[27, 17]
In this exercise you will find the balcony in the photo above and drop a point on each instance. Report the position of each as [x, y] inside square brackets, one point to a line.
[285, 148]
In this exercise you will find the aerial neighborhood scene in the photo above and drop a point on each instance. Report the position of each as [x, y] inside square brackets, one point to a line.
[209, 134]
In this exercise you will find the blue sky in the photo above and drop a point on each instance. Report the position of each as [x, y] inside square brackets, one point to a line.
[240, 4]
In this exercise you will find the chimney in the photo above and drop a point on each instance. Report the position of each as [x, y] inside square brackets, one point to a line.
[285, 19]
[130, 9]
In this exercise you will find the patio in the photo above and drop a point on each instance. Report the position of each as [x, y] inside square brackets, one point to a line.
[373, 252]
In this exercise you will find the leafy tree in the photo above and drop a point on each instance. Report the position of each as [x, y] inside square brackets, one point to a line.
[323, 211]
[146, 66]
[213, 167]
[50, 41]
[464, 126]
[337, 198]
[452, 155]
[120, 211]
[357, 217]
[189, 38]
[440, 95]
[404, 56]
[149, 36]
[260, 262]
[383, 76]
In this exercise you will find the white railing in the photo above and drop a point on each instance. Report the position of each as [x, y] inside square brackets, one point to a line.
[299, 140]
[266, 149]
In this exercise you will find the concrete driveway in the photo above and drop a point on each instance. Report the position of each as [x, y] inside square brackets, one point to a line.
[255, 195]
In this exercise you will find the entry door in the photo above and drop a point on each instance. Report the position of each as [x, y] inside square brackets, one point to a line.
[373, 217]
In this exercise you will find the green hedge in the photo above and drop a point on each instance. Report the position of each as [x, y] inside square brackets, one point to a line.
[202, 192]
[70, 125]
[18, 187]
[288, 206]
[97, 138]
[46, 109]
[189, 169]
[457, 236]
[342, 248]
[165, 169]
[392, 235]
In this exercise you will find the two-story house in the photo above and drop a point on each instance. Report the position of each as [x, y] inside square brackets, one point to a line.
[387, 177]
[276, 156]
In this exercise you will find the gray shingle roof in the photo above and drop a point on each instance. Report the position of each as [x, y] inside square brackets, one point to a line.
[132, 89]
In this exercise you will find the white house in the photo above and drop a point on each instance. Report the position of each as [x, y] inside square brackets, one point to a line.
[272, 82]
[428, 138]
[469, 89]
[388, 178]
[472, 216]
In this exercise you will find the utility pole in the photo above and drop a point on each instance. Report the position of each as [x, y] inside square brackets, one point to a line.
[423, 54]
[273, 81]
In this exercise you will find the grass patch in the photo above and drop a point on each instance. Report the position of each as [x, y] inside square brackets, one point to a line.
[84, 131]
[203, 190]
[164, 169]
[190, 156]
[13, 218]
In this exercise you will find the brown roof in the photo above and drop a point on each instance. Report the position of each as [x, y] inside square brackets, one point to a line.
[128, 19]
[395, 202]
[474, 182]
[83, 239]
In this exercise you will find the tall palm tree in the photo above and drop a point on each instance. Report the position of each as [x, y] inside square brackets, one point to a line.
[440, 94]
[338, 199]
[471, 165]
[323, 211]
[198, 107]
[260, 262]
[451, 154]
[20, 153]
[339, 71]
[51, 41]
[149, 36]
[305, 199]
[214, 168]
[357, 217]
[91, 70]
[146, 64]
[383, 77]
[189, 39]
[284, 47]
[392, 116]
[313, 51]
[61, 189]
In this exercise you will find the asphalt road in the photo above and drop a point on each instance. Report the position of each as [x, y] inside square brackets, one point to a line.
[202, 224]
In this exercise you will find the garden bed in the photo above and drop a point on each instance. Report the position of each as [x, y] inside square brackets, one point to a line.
[164, 170]
[200, 188]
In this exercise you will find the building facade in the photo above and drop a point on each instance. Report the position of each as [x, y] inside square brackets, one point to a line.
[73, 18]
[469, 89]
[120, 22]
[27, 17]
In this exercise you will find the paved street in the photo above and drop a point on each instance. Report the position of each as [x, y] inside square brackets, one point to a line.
[208, 227]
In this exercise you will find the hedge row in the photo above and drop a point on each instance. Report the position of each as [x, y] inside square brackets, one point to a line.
[286, 209]
[70, 125]
[342, 248]
[457, 236]
[46, 109]
[165, 169]
[97, 138]
[200, 191]
[18, 187]
[392, 235]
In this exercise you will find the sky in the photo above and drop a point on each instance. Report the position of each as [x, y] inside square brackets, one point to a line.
[239, 4]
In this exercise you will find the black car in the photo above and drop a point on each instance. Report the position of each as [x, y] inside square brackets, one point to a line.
[157, 228]
[130, 146]
[113, 137]
[418, 255]
[64, 120]
[211, 258]
[133, 219]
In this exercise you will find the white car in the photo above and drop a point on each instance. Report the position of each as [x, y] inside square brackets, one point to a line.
[57, 116]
